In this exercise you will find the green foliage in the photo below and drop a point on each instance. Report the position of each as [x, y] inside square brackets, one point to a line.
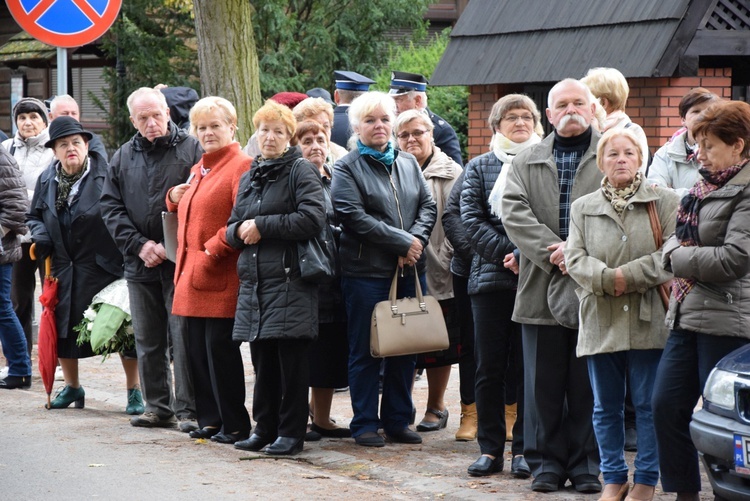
[451, 103]
[302, 42]
[149, 45]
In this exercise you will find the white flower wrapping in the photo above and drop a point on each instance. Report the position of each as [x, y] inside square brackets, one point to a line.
[109, 331]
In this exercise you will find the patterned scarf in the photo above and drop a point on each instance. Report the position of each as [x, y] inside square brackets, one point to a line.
[686, 230]
[619, 197]
[65, 183]
[385, 157]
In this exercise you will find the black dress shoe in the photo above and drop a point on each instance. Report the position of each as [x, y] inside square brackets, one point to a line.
[547, 482]
[370, 439]
[254, 443]
[519, 468]
[285, 446]
[228, 438]
[586, 483]
[332, 433]
[13, 382]
[405, 436]
[205, 432]
[441, 423]
[485, 465]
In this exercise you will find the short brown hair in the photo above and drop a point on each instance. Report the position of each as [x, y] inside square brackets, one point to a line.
[695, 96]
[511, 102]
[306, 127]
[727, 120]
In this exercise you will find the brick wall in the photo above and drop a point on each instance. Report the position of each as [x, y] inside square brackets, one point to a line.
[653, 104]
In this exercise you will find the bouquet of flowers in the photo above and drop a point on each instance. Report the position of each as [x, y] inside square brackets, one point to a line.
[106, 323]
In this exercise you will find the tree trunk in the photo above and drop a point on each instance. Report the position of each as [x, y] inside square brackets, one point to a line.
[227, 57]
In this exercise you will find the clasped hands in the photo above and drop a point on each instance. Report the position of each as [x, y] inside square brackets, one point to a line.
[412, 255]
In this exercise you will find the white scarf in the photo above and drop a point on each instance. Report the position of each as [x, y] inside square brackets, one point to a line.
[505, 149]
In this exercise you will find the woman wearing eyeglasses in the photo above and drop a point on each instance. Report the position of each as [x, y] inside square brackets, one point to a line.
[414, 133]
[492, 285]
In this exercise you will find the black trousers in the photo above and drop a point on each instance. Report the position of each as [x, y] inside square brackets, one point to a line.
[467, 367]
[495, 336]
[218, 375]
[23, 286]
[282, 376]
[558, 431]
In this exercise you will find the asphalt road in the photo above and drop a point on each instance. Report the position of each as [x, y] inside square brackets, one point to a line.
[94, 453]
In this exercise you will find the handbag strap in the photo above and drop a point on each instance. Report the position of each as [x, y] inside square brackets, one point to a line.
[417, 288]
[655, 224]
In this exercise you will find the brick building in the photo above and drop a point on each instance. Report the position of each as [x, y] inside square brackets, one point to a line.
[664, 49]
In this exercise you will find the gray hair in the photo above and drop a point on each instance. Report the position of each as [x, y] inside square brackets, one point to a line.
[64, 98]
[411, 115]
[568, 81]
[146, 92]
[511, 102]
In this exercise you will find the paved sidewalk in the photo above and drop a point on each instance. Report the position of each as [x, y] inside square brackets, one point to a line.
[94, 453]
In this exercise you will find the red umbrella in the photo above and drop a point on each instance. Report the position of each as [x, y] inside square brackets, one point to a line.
[47, 343]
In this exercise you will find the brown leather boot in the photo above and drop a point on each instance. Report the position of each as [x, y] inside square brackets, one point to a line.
[467, 431]
[511, 413]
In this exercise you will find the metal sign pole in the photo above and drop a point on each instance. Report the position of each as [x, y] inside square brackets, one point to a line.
[62, 71]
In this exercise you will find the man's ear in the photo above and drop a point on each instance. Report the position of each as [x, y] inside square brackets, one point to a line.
[336, 98]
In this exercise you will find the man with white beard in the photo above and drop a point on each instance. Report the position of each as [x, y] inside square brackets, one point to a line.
[542, 183]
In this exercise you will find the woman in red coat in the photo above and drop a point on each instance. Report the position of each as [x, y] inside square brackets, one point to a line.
[206, 282]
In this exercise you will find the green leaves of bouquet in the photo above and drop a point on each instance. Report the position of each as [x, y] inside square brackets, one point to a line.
[108, 328]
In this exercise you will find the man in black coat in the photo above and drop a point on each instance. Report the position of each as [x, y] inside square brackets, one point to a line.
[408, 89]
[349, 85]
[157, 158]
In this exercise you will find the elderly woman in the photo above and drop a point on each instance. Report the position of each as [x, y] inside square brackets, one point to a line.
[610, 88]
[206, 281]
[708, 311]
[66, 223]
[280, 203]
[33, 158]
[387, 215]
[413, 130]
[318, 110]
[13, 206]
[492, 285]
[611, 253]
[329, 353]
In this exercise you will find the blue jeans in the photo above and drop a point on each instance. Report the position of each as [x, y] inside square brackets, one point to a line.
[687, 360]
[360, 297]
[608, 373]
[12, 336]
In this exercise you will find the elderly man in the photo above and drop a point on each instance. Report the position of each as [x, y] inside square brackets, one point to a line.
[543, 182]
[349, 85]
[65, 105]
[157, 158]
[408, 90]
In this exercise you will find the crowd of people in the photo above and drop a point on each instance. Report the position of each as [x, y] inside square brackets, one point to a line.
[582, 281]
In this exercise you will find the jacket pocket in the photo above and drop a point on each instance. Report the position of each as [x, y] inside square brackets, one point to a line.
[208, 273]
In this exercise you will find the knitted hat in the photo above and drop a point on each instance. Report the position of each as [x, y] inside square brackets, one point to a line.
[28, 105]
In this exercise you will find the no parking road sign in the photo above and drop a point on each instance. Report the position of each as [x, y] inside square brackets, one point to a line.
[65, 23]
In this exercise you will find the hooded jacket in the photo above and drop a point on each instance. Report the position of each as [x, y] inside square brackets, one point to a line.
[135, 190]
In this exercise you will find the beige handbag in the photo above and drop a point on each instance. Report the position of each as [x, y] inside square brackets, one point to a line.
[408, 325]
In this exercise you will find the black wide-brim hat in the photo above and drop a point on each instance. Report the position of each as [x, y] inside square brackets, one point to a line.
[65, 126]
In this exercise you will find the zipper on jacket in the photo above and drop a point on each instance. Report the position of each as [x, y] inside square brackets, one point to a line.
[398, 205]
[725, 295]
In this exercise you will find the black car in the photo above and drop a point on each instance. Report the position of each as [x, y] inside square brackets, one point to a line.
[721, 430]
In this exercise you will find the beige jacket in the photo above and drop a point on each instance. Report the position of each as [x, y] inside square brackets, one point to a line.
[599, 242]
[441, 174]
[531, 210]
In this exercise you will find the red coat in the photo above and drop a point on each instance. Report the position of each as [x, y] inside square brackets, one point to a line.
[206, 286]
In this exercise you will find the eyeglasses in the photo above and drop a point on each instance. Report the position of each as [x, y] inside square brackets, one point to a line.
[514, 118]
[415, 134]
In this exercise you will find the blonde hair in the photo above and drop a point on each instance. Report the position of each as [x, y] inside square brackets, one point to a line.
[411, 115]
[609, 84]
[208, 105]
[369, 102]
[611, 134]
[272, 111]
[308, 108]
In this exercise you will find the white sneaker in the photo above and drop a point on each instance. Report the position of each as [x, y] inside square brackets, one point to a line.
[3, 373]
[59, 374]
